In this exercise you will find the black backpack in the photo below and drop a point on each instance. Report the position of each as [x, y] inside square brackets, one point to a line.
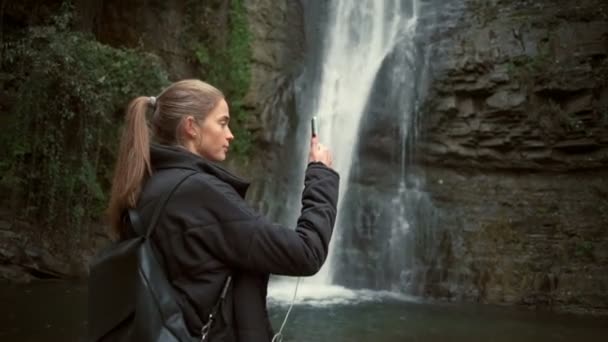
[130, 297]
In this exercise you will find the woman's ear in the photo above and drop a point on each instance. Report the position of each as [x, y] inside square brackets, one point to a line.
[190, 127]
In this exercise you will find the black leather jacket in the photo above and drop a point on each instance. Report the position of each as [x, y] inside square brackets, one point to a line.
[209, 232]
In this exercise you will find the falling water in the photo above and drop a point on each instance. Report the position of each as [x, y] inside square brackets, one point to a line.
[360, 36]
[359, 39]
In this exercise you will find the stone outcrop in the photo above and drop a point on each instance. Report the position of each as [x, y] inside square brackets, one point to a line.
[514, 147]
[520, 85]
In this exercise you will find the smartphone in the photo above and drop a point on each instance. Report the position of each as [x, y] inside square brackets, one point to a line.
[313, 125]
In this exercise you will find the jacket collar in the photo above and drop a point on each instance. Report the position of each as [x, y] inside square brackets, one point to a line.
[171, 157]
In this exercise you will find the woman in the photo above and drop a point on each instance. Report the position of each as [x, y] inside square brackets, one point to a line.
[207, 231]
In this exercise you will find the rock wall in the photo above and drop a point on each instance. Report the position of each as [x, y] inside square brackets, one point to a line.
[278, 49]
[277, 43]
[513, 141]
[520, 85]
[169, 29]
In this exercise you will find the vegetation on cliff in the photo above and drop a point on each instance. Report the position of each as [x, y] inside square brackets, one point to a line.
[65, 95]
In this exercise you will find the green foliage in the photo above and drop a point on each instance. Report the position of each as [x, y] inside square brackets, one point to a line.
[62, 134]
[239, 50]
[239, 73]
[227, 65]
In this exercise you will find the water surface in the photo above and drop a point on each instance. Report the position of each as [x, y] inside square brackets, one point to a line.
[56, 311]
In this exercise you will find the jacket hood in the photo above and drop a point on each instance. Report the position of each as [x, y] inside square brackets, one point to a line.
[175, 157]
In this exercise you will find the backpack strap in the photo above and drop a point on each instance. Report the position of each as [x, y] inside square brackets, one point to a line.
[160, 206]
[135, 222]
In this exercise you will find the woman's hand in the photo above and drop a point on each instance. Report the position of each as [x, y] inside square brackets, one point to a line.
[319, 153]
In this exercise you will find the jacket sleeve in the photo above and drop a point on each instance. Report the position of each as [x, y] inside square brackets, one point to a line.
[244, 239]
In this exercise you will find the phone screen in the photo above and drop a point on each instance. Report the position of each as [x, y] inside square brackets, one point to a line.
[313, 125]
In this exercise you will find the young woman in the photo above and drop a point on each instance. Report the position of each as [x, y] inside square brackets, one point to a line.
[207, 232]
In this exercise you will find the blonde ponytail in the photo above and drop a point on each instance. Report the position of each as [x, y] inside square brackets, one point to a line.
[132, 163]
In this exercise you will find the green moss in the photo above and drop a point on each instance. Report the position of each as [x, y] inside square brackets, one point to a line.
[240, 74]
[227, 65]
[69, 92]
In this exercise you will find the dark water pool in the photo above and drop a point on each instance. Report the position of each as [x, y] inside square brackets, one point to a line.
[398, 321]
[57, 312]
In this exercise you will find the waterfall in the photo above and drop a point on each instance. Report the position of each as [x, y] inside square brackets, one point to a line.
[360, 36]
[362, 85]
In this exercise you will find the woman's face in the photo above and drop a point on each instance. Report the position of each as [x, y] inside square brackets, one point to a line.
[215, 135]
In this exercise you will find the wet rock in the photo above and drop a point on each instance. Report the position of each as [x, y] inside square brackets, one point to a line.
[578, 145]
[6, 234]
[447, 104]
[579, 103]
[42, 264]
[504, 100]
[466, 108]
[13, 273]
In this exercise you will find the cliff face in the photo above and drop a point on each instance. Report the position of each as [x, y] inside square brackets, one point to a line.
[513, 140]
[520, 85]
[161, 27]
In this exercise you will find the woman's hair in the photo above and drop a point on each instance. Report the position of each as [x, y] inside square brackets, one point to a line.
[179, 100]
